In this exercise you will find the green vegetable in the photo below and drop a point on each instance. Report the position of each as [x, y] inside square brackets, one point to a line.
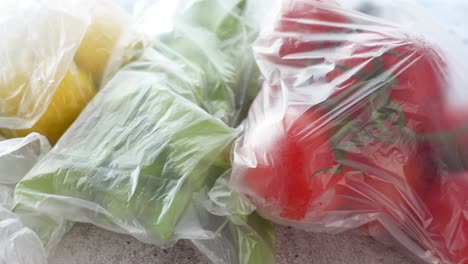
[139, 151]
[255, 240]
[155, 140]
[212, 39]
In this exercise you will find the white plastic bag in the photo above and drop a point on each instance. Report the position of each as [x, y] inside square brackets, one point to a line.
[19, 244]
[25, 236]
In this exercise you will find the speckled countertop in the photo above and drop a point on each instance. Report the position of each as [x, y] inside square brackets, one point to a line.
[86, 244]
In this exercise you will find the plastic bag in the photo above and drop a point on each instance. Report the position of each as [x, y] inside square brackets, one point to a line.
[18, 244]
[212, 40]
[25, 237]
[143, 154]
[449, 15]
[153, 131]
[42, 89]
[165, 141]
[361, 122]
[144, 172]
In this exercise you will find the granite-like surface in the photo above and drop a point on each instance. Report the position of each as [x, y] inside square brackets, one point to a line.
[86, 244]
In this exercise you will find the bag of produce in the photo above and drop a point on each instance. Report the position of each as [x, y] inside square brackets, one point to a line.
[25, 236]
[361, 122]
[54, 55]
[136, 161]
[142, 156]
[212, 40]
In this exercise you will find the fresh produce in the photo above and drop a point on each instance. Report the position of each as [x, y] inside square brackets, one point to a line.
[392, 121]
[321, 20]
[108, 26]
[144, 153]
[446, 200]
[309, 164]
[354, 128]
[215, 37]
[160, 141]
[38, 43]
[73, 93]
[387, 118]
[244, 239]
[42, 89]
[255, 241]
[152, 150]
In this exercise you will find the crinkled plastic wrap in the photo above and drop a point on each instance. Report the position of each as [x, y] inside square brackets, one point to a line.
[360, 123]
[137, 161]
[212, 40]
[132, 159]
[144, 153]
[18, 244]
[25, 236]
[35, 56]
[450, 15]
[54, 55]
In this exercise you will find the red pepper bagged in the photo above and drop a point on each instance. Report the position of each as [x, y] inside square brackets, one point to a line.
[354, 127]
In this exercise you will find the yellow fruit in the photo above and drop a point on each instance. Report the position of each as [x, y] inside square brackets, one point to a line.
[35, 54]
[73, 93]
[14, 89]
[106, 28]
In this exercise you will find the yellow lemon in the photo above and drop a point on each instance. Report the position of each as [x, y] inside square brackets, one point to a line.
[106, 28]
[73, 93]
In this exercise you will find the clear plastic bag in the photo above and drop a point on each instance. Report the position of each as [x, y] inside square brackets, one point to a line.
[137, 161]
[142, 156]
[35, 56]
[138, 151]
[54, 56]
[361, 122]
[18, 244]
[451, 16]
[25, 236]
[212, 40]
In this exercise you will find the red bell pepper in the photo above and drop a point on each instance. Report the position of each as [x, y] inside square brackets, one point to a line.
[447, 202]
[353, 122]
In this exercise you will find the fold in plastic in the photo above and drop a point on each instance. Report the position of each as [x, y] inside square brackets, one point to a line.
[25, 236]
[39, 39]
